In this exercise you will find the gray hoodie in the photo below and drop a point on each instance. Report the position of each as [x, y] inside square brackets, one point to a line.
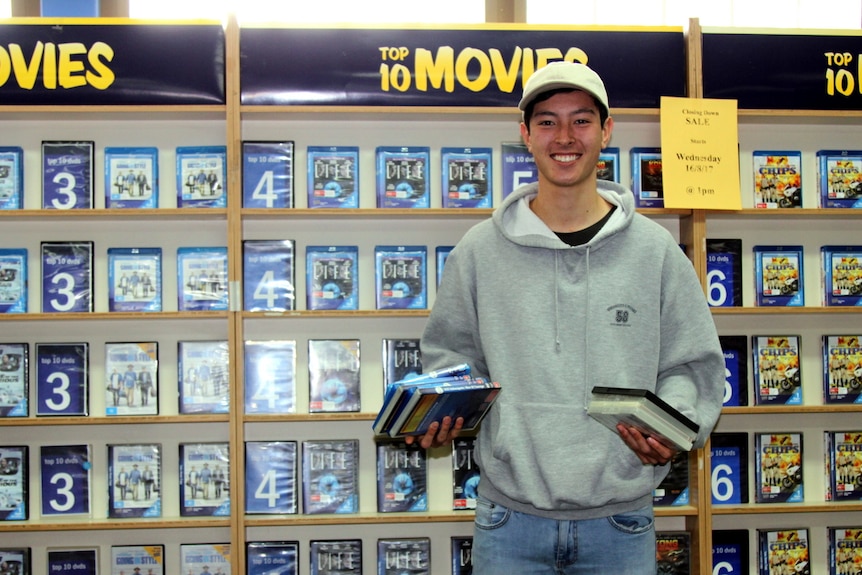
[549, 321]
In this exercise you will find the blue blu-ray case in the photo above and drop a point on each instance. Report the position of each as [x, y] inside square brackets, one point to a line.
[11, 178]
[647, 180]
[13, 280]
[403, 179]
[467, 177]
[333, 176]
[267, 174]
[134, 279]
[401, 277]
[132, 177]
[331, 274]
[202, 278]
[201, 176]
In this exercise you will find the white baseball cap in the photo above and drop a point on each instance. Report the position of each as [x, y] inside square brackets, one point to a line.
[561, 74]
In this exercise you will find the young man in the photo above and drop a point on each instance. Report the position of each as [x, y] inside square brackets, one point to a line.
[566, 287]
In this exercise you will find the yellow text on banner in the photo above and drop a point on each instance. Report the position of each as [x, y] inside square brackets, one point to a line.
[700, 153]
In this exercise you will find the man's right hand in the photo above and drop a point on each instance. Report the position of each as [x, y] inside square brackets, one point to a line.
[439, 433]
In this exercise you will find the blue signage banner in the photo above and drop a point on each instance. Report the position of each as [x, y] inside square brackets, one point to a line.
[784, 71]
[80, 62]
[456, 67]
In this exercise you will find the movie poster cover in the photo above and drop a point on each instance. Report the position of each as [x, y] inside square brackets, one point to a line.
[401, 277]
[62, 378]
[673, 552]
[65, 479]
[467, 174]
[16, 560]
[14, 379]
[205, 559]
[403, 179]
[268, 282]
[778, 468]
[647, 177]
[729, 468]
[608, 165]
[13, 280]
[204, 379]
[67, 277]
[267, 174]
[465, 474]
[777, 178]
[777, 370]
[333, 375]
[335, 557]
[73, 561]
[842, 368]
[272, 558]
[842, 275]
[202, 278]
[201, 176]
[134, 279]
[333, 176]
[518, 167]
[839, 178]
[724, 272]
[271, 477]
[730, 551]
[402, 359]
[132, 178]
[132, 378]
[204, 475]
[11, 178]
[332, 274]
[67, 175]
[779, 279]
[402, 477]
[784, 551]
[14, 483]
[330, 476]
[270, 376]
[134, 480]
[844, 545]
[441, 254]
[462, 554]
[843, 451]
[404, 556]
[137, 560]
[673, 489]
[735, 349]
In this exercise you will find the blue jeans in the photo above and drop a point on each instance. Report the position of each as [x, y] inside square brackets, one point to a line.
[506, 541]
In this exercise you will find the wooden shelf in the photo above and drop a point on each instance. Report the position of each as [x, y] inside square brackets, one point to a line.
[112, 524]
[118, 420]
[115, 316]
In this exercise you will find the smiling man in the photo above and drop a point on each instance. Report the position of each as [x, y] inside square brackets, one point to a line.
[565, 288]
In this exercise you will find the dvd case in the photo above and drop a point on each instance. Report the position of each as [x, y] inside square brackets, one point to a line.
[777, 369]
[735, 349]
[267, 174]
[673, 489]
[15, 484]
[17, 560]
[202, 279]
[67, 175]
[67, 276]
[465, 474]
[204, 379]
[333, 375]
[270, 376]
[730, 551]
[518, 167]
[271, 477]
[201, 176]
[13, 280]
[403, 179]
[80, 561]
[11, 178]
[134, 480]
[779, 277]
[777, 178]
[134, 279]
[272, 558]
[402, 359]
[335, 557]
[839, 178]
[132, 378]
[843, 463]
[204, 485]
[844, 545]
[461, 547]
[466, 178]
[14, 379]
[783, 551]
[647, 177]
[268, 275]
[724, 272]
[404, 555]
[729, 467]
[841, 275]
[401, 277]
[132, 178]
[333, 176]
[778, 467]
[402, 477]
[198, 558]
[608, 165]
[330, 476]
[332, 277]
[442, 254]
[65, 479]
[673, 552]
[842, 368]
[137, 560]
[62, 378]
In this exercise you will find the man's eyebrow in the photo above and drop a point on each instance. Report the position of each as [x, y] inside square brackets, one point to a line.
[586, 110]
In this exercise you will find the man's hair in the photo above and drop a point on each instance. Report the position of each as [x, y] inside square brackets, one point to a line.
[528, 111]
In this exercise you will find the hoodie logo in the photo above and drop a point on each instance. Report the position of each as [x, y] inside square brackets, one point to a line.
[621, 315]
